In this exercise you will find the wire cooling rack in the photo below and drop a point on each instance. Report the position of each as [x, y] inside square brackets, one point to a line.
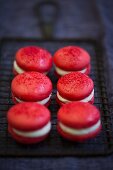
[55, 145]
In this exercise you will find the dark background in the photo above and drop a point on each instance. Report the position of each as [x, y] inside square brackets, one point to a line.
[77, 18]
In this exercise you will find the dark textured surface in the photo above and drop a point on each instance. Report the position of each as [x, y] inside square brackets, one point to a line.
[106, 12]
[19, 19]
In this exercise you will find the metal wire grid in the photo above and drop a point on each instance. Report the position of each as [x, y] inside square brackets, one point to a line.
[55, 145]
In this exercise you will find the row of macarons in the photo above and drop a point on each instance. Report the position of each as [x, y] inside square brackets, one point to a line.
[37, 87]
[80, 121]
[30, 122]
[66, 59]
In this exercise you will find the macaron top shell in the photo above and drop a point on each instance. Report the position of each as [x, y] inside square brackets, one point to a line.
[75, 86]
[71, 58]
[28, 116]
[78, 115]
[34, 58]
[31, 86]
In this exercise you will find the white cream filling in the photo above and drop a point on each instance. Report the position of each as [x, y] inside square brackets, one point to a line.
[63, 72]
[85, 131]
[37, 133]
[17, 68]
[20, 70]
[87, 99]
[40, 102]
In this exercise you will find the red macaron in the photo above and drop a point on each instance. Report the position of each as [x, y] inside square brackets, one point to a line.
[32, 58]
[29, 122]
[75, 86]
[71, 58]
[31, 87]
[78, 121]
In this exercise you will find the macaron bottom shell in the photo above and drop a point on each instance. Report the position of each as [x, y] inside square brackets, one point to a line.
[79, 138]
[26, 140]
[15, 101]
[61, 103]
[87, 72]
[16, 73]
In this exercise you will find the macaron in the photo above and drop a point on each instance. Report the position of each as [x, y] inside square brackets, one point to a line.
[29, 122]
[31, 87]
[71, 59]
[75, 86]
[78, 121]
[32, 58]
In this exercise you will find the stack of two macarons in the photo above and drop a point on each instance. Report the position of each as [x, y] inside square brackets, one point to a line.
[30, 121]
[72, 64]
[78, 119]
[31, 84]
